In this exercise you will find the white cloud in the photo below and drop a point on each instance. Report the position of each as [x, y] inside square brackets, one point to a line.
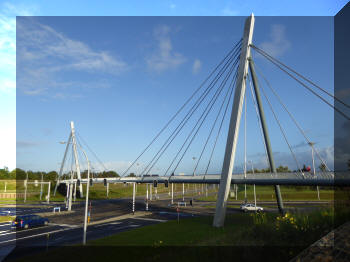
[303, 157]
[164, 57]
[25, 144]
[44, 53]
[196, 66]
[7, 85]
[8, 13]
[278, 43]
[172, 6]
[228, 11]
[7, 49]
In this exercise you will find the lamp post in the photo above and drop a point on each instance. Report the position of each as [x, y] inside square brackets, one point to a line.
[87, 196]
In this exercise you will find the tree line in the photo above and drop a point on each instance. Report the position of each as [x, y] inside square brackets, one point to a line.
[21, 174]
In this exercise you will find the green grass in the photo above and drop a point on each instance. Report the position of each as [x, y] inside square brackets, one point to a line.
[267, 193]
[240, 230]
[246, 236]
[97, 191]
[6, 218]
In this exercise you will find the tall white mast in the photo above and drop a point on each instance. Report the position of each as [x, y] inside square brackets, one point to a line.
[74, 142]
[235, 120]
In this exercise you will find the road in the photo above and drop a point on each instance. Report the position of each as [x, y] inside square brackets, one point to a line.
[43, 238]
[66, 229]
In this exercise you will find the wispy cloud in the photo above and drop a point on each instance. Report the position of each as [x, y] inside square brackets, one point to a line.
[164, 57]
[303, 157]
[228, 11]
[278, 43]
[43, 54]
[8, 13]
[26, 144]
[8, 47]
[196, 66]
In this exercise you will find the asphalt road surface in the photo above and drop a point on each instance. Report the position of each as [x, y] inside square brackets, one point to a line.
[67, 229]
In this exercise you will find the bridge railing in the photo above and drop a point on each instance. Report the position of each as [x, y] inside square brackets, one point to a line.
[292, 178]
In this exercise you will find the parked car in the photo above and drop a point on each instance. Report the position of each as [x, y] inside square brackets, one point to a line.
[251, 207]
[27, 221]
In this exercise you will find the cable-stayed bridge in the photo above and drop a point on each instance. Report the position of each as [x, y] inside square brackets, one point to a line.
[228, 82]
[293, 178]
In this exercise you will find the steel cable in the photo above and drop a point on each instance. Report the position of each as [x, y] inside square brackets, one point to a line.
[304, 85]
[290, 115]
[205, 117]
[185, 119]
[301, 76]
[188, 100]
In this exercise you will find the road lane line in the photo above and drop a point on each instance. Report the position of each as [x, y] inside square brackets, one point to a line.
[37, 235]
[149, 219]
[25, 230]
[63, 225]
[106, 224]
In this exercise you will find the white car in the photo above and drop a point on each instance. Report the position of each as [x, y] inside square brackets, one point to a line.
[251, 207]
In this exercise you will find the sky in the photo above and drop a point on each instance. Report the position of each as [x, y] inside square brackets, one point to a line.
[121, 78]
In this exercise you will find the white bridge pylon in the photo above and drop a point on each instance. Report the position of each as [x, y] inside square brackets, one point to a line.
[71, 141]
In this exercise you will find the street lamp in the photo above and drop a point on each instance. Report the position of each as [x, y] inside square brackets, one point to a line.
[87, 196]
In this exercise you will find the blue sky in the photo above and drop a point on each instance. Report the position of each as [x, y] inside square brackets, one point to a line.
[121, 78]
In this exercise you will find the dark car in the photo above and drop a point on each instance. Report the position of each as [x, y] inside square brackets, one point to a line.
[27, 221]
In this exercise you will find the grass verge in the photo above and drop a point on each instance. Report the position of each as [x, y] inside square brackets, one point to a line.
[245, 237]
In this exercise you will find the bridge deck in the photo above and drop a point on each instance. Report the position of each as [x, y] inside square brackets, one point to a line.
[307, 179]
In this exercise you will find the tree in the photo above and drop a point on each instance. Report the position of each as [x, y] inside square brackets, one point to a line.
[283, 169]
[20, 174]
[108, 174]
[131, 175]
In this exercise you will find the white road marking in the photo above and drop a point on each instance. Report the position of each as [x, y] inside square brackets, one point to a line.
[25, 230]
[63, 225]
[150, 219]
[2, 225]
[37, 235]
[107, 224]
